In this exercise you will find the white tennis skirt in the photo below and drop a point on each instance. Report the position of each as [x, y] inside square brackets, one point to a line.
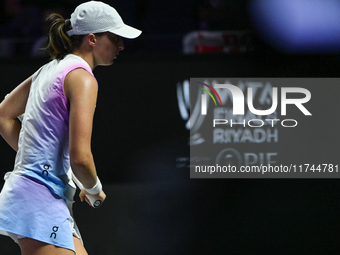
[29, 209]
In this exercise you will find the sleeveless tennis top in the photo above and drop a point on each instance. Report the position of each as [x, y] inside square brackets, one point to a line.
[43, 152]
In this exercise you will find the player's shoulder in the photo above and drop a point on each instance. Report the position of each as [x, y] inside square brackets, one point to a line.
[80, 76]
[81, 72]
[78, 81]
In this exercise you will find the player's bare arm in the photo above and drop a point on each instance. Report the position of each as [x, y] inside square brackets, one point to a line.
[81, 91]
[10, 108]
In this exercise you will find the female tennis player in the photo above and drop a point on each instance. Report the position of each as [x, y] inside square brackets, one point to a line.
[55, 134]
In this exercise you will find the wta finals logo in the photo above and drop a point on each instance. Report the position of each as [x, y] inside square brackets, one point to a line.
[195, 119]
[236, 121]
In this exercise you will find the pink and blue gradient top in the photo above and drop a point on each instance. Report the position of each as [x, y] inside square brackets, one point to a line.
[44, 138]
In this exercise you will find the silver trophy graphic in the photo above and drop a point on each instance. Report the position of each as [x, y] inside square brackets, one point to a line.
[195, 119]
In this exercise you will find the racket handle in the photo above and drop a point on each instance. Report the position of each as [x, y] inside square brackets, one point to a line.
[95, 203]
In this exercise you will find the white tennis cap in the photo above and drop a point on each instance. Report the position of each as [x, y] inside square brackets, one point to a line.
[98, 17]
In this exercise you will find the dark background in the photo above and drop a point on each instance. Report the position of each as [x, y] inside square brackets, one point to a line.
[152, 205]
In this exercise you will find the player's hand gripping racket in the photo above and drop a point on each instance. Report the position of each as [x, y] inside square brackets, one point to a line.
[95, 203]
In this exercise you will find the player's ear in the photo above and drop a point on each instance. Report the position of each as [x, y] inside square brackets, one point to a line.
[91, 39]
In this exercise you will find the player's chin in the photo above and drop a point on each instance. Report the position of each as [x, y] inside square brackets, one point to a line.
[107, 63]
